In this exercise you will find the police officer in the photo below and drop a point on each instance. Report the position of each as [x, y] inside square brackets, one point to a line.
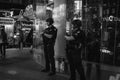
[76, 42]
[49, 37]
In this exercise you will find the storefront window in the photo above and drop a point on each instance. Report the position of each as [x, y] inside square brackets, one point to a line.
[19, 34]
[101, 24]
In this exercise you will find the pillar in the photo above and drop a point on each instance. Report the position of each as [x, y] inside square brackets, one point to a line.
[59, 15]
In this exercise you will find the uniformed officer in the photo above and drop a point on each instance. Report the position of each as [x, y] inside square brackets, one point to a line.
[49, 36]
[74, 47]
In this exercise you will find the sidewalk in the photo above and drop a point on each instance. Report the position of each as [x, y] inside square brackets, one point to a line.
[22, 66]
[107, 72]
[14, 52]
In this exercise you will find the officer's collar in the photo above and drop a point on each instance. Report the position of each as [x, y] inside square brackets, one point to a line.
[50, 26]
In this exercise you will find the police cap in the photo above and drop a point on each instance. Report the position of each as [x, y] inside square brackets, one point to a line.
[77, 23]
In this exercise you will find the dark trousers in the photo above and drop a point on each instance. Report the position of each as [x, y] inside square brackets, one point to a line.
[93, 55]
[75, 63]
[2, 50]
[49, 57]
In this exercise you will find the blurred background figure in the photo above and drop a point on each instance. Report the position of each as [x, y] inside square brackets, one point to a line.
[29, 38]
[3, 42]
[93, 47]
[20, 39]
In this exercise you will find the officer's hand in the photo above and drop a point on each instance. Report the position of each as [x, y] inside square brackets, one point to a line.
[48, 35]
[66, 37]
[69, 37]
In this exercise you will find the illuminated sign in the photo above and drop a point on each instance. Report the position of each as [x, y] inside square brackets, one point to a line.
[4, 13]
[7, 21]
[116, 77]
[29, 12]
[27, 24]
[111, 18]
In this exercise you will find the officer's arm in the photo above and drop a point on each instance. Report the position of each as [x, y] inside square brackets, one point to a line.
[51, 34]
[48, 35]
[69, 37]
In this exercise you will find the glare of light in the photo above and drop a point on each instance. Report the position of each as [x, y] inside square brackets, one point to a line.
[12, 72]
[11, 13]
[59, 13]
[51, 0]
[67, 26]
[78, 5]
[37, 27]
[49, 8]
[106, 51]
[17, 33]
[111, 18]
[15, 36]
[80, 18]
[9, 27]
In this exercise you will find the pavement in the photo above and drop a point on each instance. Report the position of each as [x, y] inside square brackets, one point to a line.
[23, 67]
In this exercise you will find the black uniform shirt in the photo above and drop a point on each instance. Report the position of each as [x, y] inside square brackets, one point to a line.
[51, 31]
[79, 39]
[79, 36]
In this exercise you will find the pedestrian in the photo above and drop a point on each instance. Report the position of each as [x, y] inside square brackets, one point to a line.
[3, 42]
[49, 37]
[93, 53]
[20, 38]
[76, 43]
[93, 42]
[29, 39]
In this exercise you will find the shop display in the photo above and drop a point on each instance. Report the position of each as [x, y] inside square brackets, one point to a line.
[106, 25]
[25, 30]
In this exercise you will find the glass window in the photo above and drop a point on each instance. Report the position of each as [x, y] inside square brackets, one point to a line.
[101, 24]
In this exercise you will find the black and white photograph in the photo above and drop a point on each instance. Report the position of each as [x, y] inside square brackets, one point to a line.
[59, 39]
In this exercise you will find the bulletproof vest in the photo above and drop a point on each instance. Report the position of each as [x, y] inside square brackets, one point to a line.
[50, 31]
[79, 39]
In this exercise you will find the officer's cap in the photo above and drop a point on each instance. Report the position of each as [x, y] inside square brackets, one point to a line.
[50, 20]
[77, 22]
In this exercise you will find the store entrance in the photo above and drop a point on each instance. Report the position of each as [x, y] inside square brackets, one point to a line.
[23, 34]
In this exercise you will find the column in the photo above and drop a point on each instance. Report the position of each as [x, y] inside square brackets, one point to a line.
[59, 15]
